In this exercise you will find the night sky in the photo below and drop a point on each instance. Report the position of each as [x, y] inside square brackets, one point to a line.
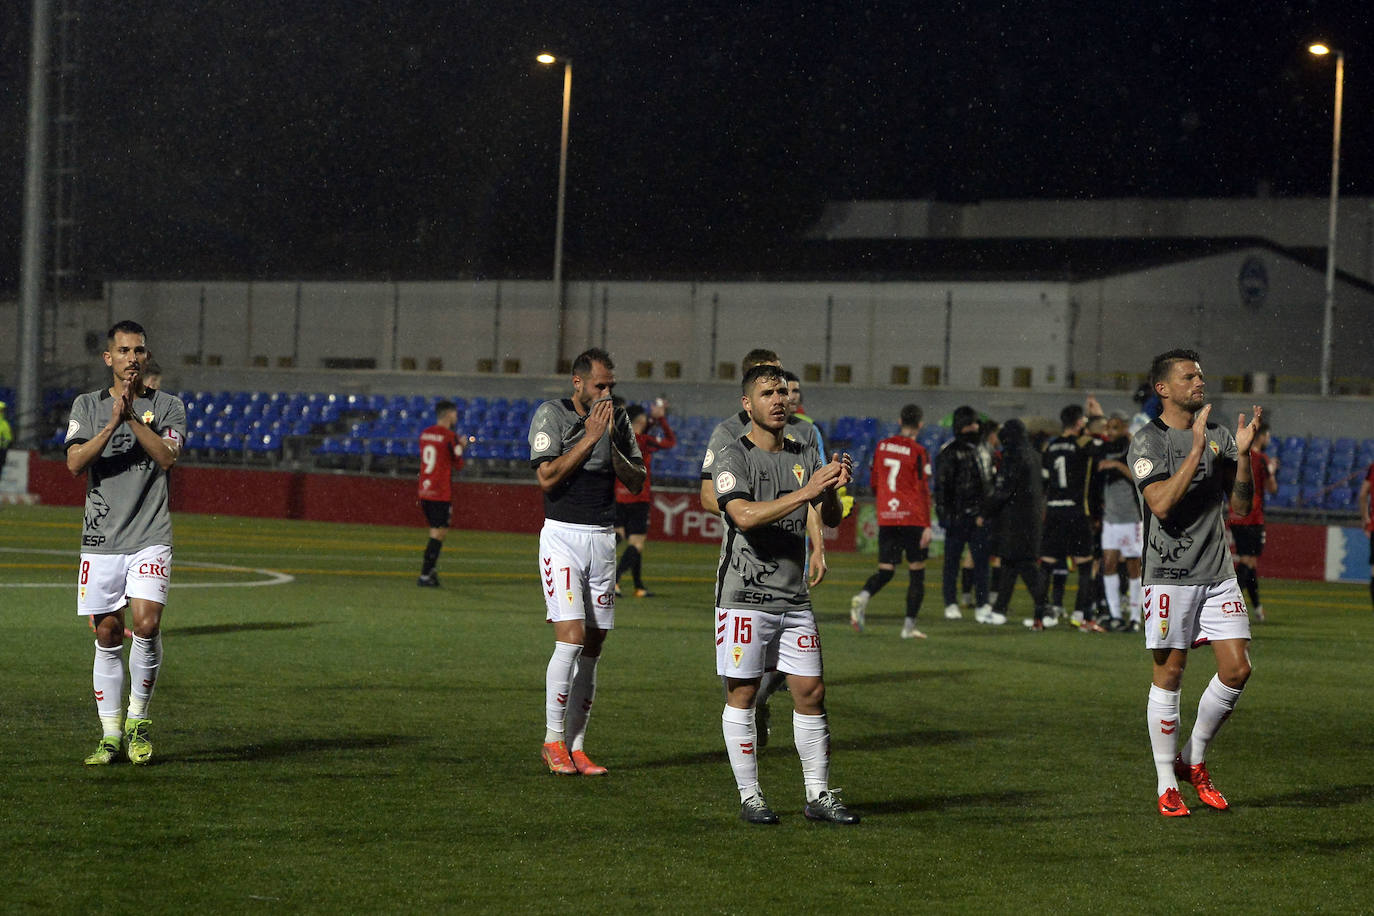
[419, 139]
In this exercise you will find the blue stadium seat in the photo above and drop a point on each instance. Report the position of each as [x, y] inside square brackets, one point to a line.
[1311, 497]
[262, 443]
[1285, 498]
[1341, 499]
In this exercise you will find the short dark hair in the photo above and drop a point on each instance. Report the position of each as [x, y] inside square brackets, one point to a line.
[789, 376]
[1070, 415]
[1262, 428]
[444, 407]
[583, 364]
[151, 366]
[912, 416]
[964, 416]
[762, 371]
[757, 357]
[125, 327]
[634, 412]
[1164, 363]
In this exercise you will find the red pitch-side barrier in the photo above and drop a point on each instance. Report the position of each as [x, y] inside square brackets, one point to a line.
[382, 501]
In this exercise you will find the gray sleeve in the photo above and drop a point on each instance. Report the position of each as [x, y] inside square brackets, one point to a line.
[1148, 458]
[731, 475]
[625, 435]
[81, 426]
[172, 424]
[720, 438]
[546, 433]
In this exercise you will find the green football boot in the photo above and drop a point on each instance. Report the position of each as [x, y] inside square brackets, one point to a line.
[136, 743]
[106, 753]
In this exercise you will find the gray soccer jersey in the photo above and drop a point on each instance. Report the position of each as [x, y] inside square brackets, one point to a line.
[732, 428]
[126, 492]
[1119, 503]
[1188, 547]
[765, 567]
[587, 496]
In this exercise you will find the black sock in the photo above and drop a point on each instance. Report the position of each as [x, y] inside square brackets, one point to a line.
[431, 556]
[915, 591]
[876, 581]
[966, 580]
[1054, 582]
[636, 567]
[627, 561]
[1249, 581]
[1084, 601]
[1371, 589]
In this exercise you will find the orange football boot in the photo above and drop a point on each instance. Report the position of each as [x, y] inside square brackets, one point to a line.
[1171, 804]
[555, 754]
[585, 766]
[1197, 776]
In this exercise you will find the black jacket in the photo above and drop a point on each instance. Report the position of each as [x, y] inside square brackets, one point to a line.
[960, 487]
[1016, 506]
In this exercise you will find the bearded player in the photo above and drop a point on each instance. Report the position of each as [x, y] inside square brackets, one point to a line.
[1189, 472]
[125, 439]
[579, 447]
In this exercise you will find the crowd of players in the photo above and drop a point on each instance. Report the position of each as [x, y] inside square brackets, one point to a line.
[1035, 505]
[1028, 503]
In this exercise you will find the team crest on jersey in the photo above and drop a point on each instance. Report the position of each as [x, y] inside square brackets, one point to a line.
[1163, 627]
[1143, 467]
[1216, 449]
[737, 653]
[798, 471]
[148, 418]
[541, 441]
[725, 482]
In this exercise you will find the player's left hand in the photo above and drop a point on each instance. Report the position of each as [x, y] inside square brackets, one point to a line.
[846, 464]
[816, 567]
[1245, 432]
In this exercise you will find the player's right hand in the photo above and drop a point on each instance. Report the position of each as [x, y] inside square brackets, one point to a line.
[599, 419]
[1200, 426]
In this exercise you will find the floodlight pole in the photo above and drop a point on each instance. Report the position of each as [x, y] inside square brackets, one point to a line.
[1329, 310]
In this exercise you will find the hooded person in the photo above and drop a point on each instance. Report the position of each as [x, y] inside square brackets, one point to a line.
[1015, 511]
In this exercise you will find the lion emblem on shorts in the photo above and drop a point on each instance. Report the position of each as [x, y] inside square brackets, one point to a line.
[751, 568]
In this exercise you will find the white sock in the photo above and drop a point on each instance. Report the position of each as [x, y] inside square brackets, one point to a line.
[580, 700]
[1133, 598]
[738, 727]
[557, 678]
[107, 677]
[1111, 584]
[1162, 714]
[145, 658]
[811, 735]
[1212, 710]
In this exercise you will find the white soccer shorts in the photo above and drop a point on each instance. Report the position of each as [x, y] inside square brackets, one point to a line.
[1187, 616]
[749, 642]
[577, 573]
[1125, 537]
[107, 581]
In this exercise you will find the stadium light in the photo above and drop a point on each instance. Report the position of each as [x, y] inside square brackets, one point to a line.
[1329, 311]
[548, 59]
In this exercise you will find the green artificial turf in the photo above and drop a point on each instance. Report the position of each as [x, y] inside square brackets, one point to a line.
[348, 742]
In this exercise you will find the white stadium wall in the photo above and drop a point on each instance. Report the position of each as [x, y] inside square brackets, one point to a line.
[1274, 330]
[862, 329]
